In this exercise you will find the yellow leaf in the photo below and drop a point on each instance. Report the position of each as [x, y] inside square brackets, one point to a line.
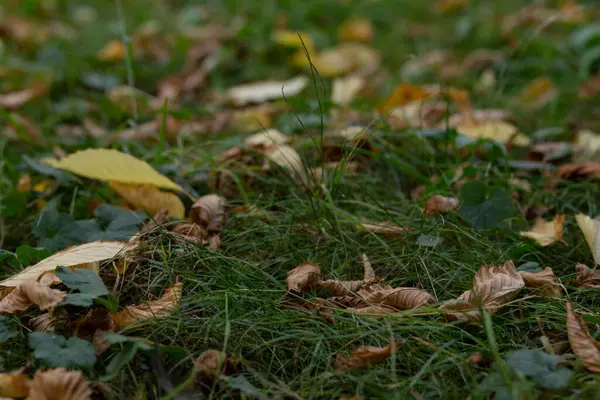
[112, 165]
[582, 343]
[546, 232]
[150, 198]
[403, 94]
[161, 308]
[357, 30]
[28, 294]
[446, 6]
[259, 92]
[59, 383]
[499, 131]
[356, 57]
[538, 93]
[113, 51]
[69, 257]
[303, 278]
[544, 280]
[590, 230]
[292, 39]
[14, 385]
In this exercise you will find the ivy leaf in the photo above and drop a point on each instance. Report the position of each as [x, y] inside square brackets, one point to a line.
[88, 283]
[112, 223]
[50, 171]
[543, 368]
[242, 384]
[58, 351]
[482, 209]
[7, 329]
[28, 255]
[129, 348]
[57, 230]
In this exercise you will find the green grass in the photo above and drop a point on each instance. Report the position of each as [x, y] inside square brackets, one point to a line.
[233, 298]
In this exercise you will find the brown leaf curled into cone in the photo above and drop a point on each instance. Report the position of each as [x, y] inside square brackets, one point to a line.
[438, 204]
[587, 169]
[161, 308]
[212, 363]
[303, 278]
[364, 356]
[546, 232]
[388, 228]
[209, 212]
[341, 288]
[28, 294]
[460, 310]
[43, 323]
[403, 298]
[544, 280]
[586, 277]
[582, 343]
[14, 385]
[60, 384]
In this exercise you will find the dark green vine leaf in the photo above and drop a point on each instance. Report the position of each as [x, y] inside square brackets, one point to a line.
[58, 351]
[484, 208]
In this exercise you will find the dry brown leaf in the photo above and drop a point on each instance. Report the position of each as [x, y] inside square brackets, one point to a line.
[344, 90]
[287, 158]
[14, 100]
[155, 309]
[14, 385]
[539, 93]
[425, 62]
[438, 204]
[190, 231]
[266, 139]
[150, 198]
[586, 169]
[586, 277]
[209, 212]
[126, 96]
[213, 363]
[376, 310]
[387, 228]
[43, 323]
[356, 30]
[461, 310]
[303, 278]
[403, 94]
[544, 280]
[590, 87]
[60, 384]
[259, 92]
[417, 114]
[546, 232]
[28, 294]
[114, 50]
[587, 146]
[447, 6]
[591, 232]
[364, 356]
[582, 343]
[341, 288]
[403, 298]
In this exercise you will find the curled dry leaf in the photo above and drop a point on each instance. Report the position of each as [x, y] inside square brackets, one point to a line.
[150, 198]
[76, 257]
[209, 212]
[364, 356]
[546, 232]
[356, 30]
[403, 94]
[399, 298]
[259, 92]
[14, 100]
[287, 158]
[582, 343]
[213, 363]
[590, 230]
[544, 280]
[14, 385]
[266, 139]
[161, 308]
[344, 90]
[114, 50]
[539, 93]
[28, 294]
[43, 323]
[503, 132]
[341, 288]
[60, 384]
[304, 277]
[493, 287]
[438, 204]
[586, 277]
[578, 170]
[387, 228]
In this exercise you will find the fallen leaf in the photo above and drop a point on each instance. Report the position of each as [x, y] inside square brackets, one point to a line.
[209, 212]
[14, 100]
[447, 6]
[582, 343]
[14, 385]
[590, 230]
[586, 277]
[426, 62]
[546, 232]
[150, 198]
[549, 151]
[128, 97]
[587, 146]
[266, 139]
[260, 92]
[364, 356]
[293, 39]
[43, 323]
[403, 298]
[500, 131]
[112, 165]
[287, 158]
[353, 57]
[70, 257]
[544, 280]
[403, 94]
[213, 363]
[344, 90]
[303, 278]
[28, 294]
[493, 287]
[417, 114]
[586, 169]
[114, 50]
[351, 288]
[60, 384]
[356, 30]
[539, 93]
[387, 228]
[24, 184]
[438, 204]
[590, 87]
[160, 308]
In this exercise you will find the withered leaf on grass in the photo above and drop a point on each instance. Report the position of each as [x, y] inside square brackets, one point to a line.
[304, 277]
[539, 93]
[493, 287]
[344, 90]
[364, 356]
[590, 230]
[28, 294]
[438, 204]
[350, 288]
[503, 132]
[356, 30]
[212, 363]
[150, 198]
[43, 323]
[586, 277]
[544, 280]
[14, 100]
[585, 169]
[209, 212]
[259, 92]
[402, 298]
[160, 308]
[113, 51]
[14, 385]
[59, 383]
[582, 343]
[386, 228]
[546, 232]
[266, 139]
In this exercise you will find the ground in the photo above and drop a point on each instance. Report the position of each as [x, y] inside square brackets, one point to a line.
[235, 298]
